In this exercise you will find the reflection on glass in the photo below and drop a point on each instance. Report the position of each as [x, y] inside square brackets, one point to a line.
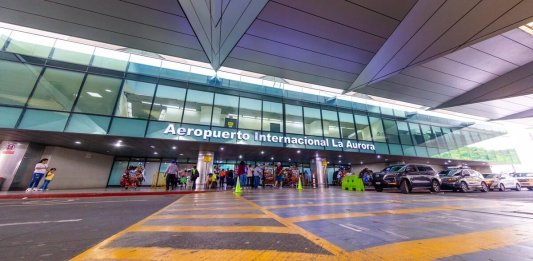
[135, 99]
[418, 138]
[391, 130]
[225, 111]
[144, 65]
[312, 121]
[168, 104]
[92, 124]
[272, 116]
[330, 123]
[198, 107]
[362, 127]
[56, 90]
[405, 135]
[293, 119]
[429, 137]
[98, 95]
[4, 34]
[15, 90]
[109, 59]
[250, 114]
[347, 126]
[72, 52]
[30, 44]
[377, 129]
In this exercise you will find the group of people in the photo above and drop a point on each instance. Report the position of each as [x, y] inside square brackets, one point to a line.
[174, 178]
[132, 177]
[41, 171]
[365, 174]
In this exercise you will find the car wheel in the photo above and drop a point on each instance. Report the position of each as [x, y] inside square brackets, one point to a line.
[378, 189]
[435, 186]
[518, 187]
[404, 187]
[484, 187]
[464, 187]
[502, 187]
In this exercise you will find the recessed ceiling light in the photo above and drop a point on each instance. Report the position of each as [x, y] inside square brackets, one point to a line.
[340, 156]
[240, 156]
[289, 159]
[221, 148]
[174, 147]
[77, 142]
[119, 141]
[118, 144]
[181, 154]
[379, 156]
[94, 94]
[298, 151]
[361, 163]
[108, 90]
[262, 152]
[340, 161]
[155, 153]
[152, 146]
[272, 158]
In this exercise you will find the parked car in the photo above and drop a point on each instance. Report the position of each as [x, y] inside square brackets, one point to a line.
[463, 179]
[407, 177]
[525, 179]
[501, 182]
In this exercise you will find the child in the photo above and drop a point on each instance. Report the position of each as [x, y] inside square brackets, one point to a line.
[183, 180]
[48, 178]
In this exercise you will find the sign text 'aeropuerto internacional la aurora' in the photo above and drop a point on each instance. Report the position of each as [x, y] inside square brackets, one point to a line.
[258, 136]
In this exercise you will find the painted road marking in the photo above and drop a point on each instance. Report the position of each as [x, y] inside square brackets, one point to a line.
[358, 229]
[214, 229]
[210, 216]
[45, 203]
[440, 247]
[378, 213]
[359, 203]
[40, 222]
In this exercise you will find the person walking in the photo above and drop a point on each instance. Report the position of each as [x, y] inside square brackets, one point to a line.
[250, 176]
[258, 175]
[40, 169]
[171, 175]
[194, 177]
[222, 179]
[47, 179]
[279, 176]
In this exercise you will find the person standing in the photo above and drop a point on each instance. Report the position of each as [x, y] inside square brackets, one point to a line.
[194, 177]
[40, 169]
[241, 173]
[279, 176]
[222, 179]
[47, 179]
[258, 175]
[171, 175]
[250, 176]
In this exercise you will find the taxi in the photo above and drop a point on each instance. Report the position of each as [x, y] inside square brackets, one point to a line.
[525, 179]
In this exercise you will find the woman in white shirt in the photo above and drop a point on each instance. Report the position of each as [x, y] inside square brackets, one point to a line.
[38, 174]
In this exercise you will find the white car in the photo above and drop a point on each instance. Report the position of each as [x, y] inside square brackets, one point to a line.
[502, 182]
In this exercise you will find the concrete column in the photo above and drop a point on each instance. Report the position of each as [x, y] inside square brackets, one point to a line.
[318, 172]
[204, 168]
[17, 160]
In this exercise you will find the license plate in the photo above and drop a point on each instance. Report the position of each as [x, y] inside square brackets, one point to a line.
[378, 183]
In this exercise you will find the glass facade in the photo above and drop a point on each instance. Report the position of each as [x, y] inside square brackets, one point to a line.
[115, 93]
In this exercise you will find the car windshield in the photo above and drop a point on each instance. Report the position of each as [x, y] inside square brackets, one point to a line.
[450, 172]
[490, 176]
[392, 168]
[523, 175]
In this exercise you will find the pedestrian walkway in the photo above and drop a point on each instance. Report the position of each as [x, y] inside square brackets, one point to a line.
[84, 193]
[320, 225]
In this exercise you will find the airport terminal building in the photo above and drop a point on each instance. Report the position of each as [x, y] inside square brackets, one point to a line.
[94, 109]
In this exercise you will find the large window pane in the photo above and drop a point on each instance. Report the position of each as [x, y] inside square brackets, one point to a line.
[330, 123]
[377, 129]
[72, 52]
[225, 111]
[4, 34]
[198, 107]
[293, 119]
[29, 44]
[362, 127]
[439, 137]
[272, 116]
[9, 117]
[135, 99]
[391, 130]
[16, 82]
[109, 59]
[347, 126]
[168, 104]
[56, 90]
[98, 95]
[405, 135]
[128, 127]
[43, 120]
[144, 65]
[312, 121]
[250, 114]
[418, 138]
[429, 137]
[92, 124]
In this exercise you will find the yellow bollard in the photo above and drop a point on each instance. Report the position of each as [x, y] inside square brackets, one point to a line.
[300, 188]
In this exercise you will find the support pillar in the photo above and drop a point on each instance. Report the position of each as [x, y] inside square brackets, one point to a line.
[318, 172]
[204, 166]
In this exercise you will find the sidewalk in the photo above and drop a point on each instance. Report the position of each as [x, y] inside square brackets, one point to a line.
[84, 193]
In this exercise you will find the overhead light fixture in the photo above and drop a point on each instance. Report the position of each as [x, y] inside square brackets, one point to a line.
[108, 90]
[155, 153]
[361, 163]
[77, 142]
[289, 159]
[262, 152]
[298, 151]
[152, 146]
[272, 158]
[221, 148]
[119, 141]
[118, 144]
[379, 156]
[240, 156]
[181, 154]
[340, 156]
[174, 147]
[94, 94]
[340, 161]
